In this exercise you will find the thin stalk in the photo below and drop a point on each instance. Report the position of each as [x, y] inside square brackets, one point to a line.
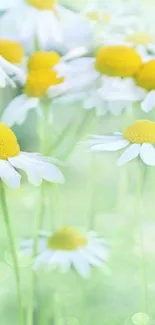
[38, 226]
[43, 131]
[138, 218]
[78, 134]
[63, 134]
[13, 252]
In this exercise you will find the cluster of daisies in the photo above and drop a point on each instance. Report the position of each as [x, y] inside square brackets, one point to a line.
[103, 57]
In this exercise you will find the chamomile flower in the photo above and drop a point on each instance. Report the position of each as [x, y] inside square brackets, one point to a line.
[34, 21]
[69, 247]
[35, 166]
[142, 39]
[11, 59]
[42, 78]
[139, 136]
[113, 15]
[145, 78]
[106, 81]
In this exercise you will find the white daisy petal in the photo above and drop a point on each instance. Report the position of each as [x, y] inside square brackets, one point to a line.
[147, 154]
[32, 172]
[16, 112]
[110, 146]
[92, 260]
[132, 152]
[149, 102]
[37, 169]
[9, 175]
[81, 264]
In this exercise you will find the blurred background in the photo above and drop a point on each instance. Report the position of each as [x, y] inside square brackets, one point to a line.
[97, 195]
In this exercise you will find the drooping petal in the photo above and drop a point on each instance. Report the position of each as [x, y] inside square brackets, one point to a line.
[147, 154]
[37, 169]
[149, 102]
[110, 146]
[80, 264]
[16, 112]
[32, 172]
[9, 175]
[132, 152]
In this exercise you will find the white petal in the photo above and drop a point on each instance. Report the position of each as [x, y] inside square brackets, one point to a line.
[16, 112]
[149, 103]
[110, 146]
[32, 172]
[81, 264]
[147, 154]
[92, 259]
[43, 258]
[9, 175]
[132, 152]
[36, 169]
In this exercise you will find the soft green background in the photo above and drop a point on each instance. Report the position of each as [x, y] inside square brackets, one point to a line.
[97, 195]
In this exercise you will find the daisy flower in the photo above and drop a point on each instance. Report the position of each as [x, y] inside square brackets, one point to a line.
[145, 78]
[34, 21]
[113, 15]
[141, 38]
[35, 165]
[40, 81]
[106, 81]
[11, 60]
[139, 137]
[68, 247]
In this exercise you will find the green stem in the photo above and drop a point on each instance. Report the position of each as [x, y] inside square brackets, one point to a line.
[138, 217]
[78, 134]
[63, 134]
[38, 226]
[43, 129]
[13, 251]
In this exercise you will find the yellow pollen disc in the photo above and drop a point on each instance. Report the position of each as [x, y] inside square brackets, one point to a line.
[145, 77]
[141, 131]
[9, 146]
[140, 38]
[39, 81]
[43, 60]
[67, 238]
[93, 15]
[11, 51]
[43, 4]
[106, 18]
[119, 60]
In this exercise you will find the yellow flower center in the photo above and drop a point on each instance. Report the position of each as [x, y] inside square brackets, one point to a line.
[145, 77]
[106, 18]
[39, 81]
[98, 16]
[43, 60]
[118, 60]
[43, 4]
[67, 238]
[93, 15]
[141, 131]
[11, 51]
[9, 146]
[140, 38]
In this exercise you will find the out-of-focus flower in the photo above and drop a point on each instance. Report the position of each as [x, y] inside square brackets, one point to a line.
[105, 82]
[68, 247]
[140, 136]
[113, 15]
[34, 22]
[11, 60]
[142, 37]
[35, 165]
[145, 78]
